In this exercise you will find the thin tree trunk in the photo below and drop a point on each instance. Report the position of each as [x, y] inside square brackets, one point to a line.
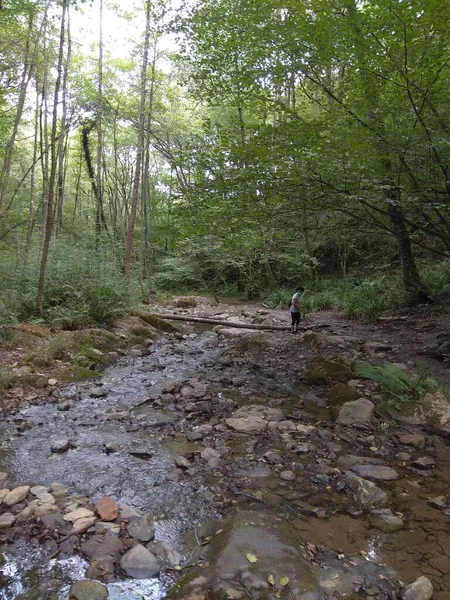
[100, 218]
[48, 224]
[140, 143]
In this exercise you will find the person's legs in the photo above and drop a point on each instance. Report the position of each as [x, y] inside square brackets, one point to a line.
[292, 322]
[295, 321]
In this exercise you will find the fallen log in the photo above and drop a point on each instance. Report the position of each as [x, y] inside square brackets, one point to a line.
[226, 323]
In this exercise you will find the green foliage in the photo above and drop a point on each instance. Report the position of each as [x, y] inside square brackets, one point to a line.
[400, 386]
[7, 380]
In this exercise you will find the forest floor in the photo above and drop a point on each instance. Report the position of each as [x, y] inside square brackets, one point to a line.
[266, 427]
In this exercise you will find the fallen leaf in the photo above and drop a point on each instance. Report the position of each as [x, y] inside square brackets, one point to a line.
[340, 556]
[251, 557]
[204, 565]
[284, 581]
[277, 593]
[271, 580]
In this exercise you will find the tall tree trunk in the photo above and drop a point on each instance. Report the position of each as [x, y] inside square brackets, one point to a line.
[33, 176]
[139, 148]
[48, 223]
[100, 218]
[28, 67]
[63, 137]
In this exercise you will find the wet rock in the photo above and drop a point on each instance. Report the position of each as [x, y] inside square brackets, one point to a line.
[111, 447]
[321, 479]
[128, 512]
[287, 475]
[140, 563]
[417, 440]
[209, 453]
[440, 502]
[3, 479]
[25, 514]
[203, 407]
[167, 557]
[102, 570]
[250, 424]
[55, 522]
[377, 472]
[107, 509]
[175, 475]
[273, 458]
[194, 436]
[424, 462]
[348, 461]
[60, 445]
[182, 462]
[7, 520]
[45, 509]
[79, 513]
[386, 521]
[98, 392]
[142, 528]
[421, 589]
[16, 495]
[171, 387]
[67, 546]
[102, 546]
[88, 590]
[403, 456]
[46, 498]
[365, 494]
[82, 525]
[342, 393]
[38, 490]
[358, 412]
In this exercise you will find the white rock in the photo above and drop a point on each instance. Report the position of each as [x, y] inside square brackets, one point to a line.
[82, 524]
[80, 513]
[16, 495]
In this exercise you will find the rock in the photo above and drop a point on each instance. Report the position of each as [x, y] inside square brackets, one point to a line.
[111, 447]
[319, 370]
[107, 509]
[439, 502]
[358, 412]
[421, 589]
[102, 570]
[60, 445]
[67, 546]
[377, 472]
[386, 521]
[6, 520]
[347, 461]
[321, 479]
[139, 563]
[167, 557]
[45, 509]
[55, 522]
[194, 436]
[424, 462]
[80, 513]
[342, 393]
[316, 341]
[273, 458]
[287, 475]
[142, 529]
[251, 424]
[208, 453]
[175, 475]
[52, 382]
[88, 590]
[365, 494]
[417, 440]
[98, 392]
[38, 490]
[25, 514]
[182, 462]
[3, 479]
[403, 456]
[82, 525]
[102, 546]
[46, 498]
[16, 495]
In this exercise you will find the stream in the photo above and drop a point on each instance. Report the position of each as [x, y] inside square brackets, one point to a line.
[125, 439]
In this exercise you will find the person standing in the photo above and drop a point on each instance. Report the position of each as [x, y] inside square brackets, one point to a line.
[295, 308]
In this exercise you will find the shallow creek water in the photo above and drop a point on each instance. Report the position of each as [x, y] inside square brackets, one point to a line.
[136, 474]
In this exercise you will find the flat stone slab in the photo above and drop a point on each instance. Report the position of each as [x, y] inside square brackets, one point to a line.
[88, 590]
[107, 509]
[80, 513]
[378, 472]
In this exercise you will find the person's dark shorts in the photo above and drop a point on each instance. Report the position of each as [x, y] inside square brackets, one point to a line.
[296, 318]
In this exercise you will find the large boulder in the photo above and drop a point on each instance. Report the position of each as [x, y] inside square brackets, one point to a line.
[421, 589]
[341, 393]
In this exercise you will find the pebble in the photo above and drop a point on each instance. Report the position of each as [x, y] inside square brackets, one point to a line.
[183, 462]
[142, 528]
[208, 453]
[107, 509]
[417, 440]
[386, 521]
[80, 513]
[6, 520]
[194, 436]
[424, 462]
[88, 590]
[321, 479]
[376, 472]
[439, 502]
[60, 445]
[287, 475]
[83, 524]
[273, 457]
